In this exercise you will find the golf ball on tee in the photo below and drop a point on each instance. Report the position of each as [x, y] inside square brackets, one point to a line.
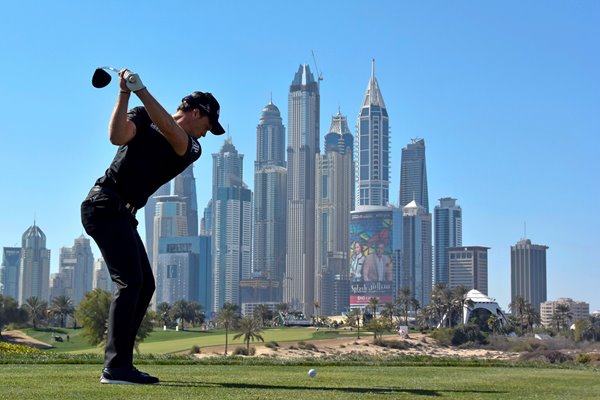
[312, 373]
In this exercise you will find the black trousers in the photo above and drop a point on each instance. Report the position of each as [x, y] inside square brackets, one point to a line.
[114, 229]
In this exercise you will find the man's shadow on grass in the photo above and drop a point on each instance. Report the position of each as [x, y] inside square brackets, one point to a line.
[374, 390]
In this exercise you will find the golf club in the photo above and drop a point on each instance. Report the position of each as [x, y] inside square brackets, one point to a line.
[101, 78]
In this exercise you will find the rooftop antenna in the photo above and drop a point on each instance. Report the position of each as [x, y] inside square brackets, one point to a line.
[525, 229]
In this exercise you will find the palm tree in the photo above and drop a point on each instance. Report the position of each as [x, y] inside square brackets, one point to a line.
[353, 318]
[493, 323]
[250, 329]
[37, 310]
[195, 313]
[373, 303]
[459, 300]
[262, 313]
[163, 310]
[61, 307]
[227, 318]
[180, 311]
[317, 306]
[517, 308]
[531, 317]
[562, 316]
[388, 311]
[441, 303]
[404, 300]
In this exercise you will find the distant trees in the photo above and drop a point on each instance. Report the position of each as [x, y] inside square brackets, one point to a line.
[61, 307]
[524, 315]
[353, 318]
[373, 303]
[185, 311]
[562, 317]
[37, 309]
[10, 312]
[262, 313]
[163, 313]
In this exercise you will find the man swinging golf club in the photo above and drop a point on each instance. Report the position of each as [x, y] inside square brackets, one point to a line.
[154, 147]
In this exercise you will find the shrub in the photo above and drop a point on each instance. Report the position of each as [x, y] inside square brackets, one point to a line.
[459, 335]
[195, 349]
[551, 356]
[307, 346]
[392, 344]
[583, 358]
[9, 348]
[242, 351]
[272, 345]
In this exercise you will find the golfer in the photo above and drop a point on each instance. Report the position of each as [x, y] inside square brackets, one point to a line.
[154, 147]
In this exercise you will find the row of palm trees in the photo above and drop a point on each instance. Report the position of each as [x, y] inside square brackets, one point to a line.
[180, 312]
[249, 328]
[39, 311]
[445, 309]
[525, 316]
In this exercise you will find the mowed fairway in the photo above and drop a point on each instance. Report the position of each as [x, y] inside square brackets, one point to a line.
[18, 381]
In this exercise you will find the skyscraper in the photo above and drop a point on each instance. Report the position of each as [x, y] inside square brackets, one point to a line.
[416, 268]
[373, 148]
[34, 274]
[413, 175]
[333, 205]
[102, 277]
[448, 233]
[270, 202]
[9, 272]
[528, 272]
[231, 226]
[149, 213]
[75, 270]
[303, 145]
[184, 186]
[170, 223]
[468, 267]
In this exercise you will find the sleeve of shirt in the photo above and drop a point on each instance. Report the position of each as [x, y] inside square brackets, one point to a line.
[194, 150]
[139, 116]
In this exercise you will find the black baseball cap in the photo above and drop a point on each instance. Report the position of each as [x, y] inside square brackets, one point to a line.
[208, 104]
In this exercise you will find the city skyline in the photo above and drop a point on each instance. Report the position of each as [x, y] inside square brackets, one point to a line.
[505, 95]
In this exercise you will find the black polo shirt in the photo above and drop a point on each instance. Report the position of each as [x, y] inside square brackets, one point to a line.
[146, 162]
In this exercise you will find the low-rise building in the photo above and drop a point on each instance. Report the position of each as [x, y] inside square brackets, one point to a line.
[577, 310]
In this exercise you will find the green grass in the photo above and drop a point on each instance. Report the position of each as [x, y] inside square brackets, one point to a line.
[81, 382]
[171, 341]
[64, 373]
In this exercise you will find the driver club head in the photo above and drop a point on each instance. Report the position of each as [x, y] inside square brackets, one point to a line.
[101, 77]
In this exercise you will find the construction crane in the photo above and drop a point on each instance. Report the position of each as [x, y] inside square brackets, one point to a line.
[319, 75]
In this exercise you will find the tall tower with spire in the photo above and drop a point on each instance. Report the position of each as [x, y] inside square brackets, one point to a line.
[34, 276]
[333, 205]
[270, 202]
[232, 226]
[373, 147]
[303, 145]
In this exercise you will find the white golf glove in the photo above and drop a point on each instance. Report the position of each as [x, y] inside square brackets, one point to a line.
[134, 83]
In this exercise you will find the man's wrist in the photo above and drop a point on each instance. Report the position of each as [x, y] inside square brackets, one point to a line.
[125, 91]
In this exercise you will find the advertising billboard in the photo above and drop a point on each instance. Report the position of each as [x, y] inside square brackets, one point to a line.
[371, 267]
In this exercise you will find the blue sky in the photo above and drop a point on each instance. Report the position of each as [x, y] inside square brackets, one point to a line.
[505, 94]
